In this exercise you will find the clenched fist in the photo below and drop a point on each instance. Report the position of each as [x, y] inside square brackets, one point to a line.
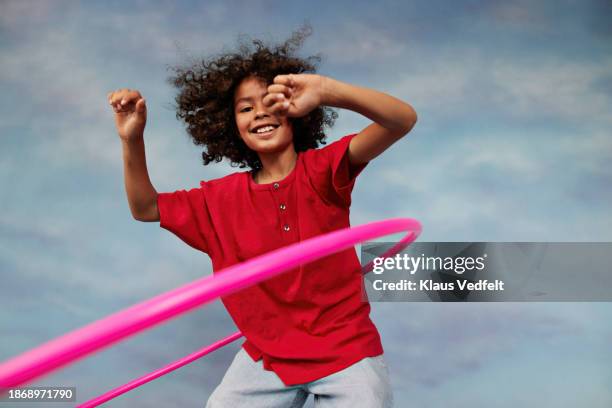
[130, 113]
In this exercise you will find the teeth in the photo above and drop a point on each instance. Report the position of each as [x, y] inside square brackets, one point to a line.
[264, 129]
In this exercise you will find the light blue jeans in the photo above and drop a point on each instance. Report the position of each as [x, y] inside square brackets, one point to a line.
[246, 384]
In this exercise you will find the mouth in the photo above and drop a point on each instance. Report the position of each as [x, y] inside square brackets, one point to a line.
[264, 130]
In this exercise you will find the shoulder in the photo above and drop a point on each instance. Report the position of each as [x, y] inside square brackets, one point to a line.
[329, 154]
[341, 143]
[225, 181]
[330, 151]
[224, 188]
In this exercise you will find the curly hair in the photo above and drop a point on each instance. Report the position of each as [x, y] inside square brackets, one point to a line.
[206, 97]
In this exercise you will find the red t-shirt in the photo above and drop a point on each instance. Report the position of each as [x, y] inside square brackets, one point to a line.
[311, 321]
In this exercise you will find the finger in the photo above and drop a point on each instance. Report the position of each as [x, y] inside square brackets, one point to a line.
[116, 96]
[130, 96]
[112, 97]
[114, 100]
[272, 98]
[286, 80]
[269, 100]
[141, 106]
[280, 108]
[124, 100]
[118, 108]
[278, 88]
[123, 95]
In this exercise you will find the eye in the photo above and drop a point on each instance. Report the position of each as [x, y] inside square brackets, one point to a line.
[245, 108]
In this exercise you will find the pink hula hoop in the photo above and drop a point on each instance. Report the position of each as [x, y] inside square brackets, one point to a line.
[75, 345]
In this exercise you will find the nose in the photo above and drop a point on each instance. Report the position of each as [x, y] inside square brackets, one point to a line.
[261, 113]
[261, 110]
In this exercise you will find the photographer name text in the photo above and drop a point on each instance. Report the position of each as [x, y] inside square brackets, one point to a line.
[430, 285]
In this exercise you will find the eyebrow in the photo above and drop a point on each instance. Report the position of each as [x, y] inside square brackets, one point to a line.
[247, 98]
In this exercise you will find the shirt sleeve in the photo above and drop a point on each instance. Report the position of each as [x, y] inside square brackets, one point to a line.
[341, 174]
[184, 213]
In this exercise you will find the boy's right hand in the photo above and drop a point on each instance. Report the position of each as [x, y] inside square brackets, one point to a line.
[130, 113]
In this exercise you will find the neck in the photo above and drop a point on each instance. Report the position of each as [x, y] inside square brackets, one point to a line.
[276, 166]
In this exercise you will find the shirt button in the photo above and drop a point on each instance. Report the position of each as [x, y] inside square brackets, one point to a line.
[286, 227]
[282, 207]
[275, 185]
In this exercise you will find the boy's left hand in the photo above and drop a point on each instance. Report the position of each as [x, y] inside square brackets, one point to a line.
[294, 95]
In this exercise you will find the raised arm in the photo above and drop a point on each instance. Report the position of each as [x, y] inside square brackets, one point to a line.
[392, 117]
[130, 119]
[298, 94]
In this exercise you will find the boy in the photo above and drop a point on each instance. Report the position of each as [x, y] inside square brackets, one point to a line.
[307, 331]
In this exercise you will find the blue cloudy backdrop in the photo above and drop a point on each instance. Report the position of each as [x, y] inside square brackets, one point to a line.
[513, 143]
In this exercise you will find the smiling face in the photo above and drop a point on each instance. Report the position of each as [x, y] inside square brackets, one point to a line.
[261, 130]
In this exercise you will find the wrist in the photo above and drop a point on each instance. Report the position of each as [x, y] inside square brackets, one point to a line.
[132, 140]
[333, 93]
[328, 94]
